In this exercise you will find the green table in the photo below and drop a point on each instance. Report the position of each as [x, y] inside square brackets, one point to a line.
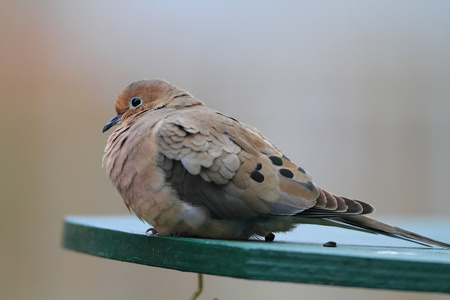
[375, 262]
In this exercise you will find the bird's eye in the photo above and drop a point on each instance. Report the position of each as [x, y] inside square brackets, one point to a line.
[135, 102]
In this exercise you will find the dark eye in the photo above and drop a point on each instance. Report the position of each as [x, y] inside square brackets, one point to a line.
[135, 102]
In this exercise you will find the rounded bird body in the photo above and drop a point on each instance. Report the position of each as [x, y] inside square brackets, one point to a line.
[187, 169]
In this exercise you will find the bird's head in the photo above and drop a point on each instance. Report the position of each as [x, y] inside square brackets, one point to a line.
[146, 95]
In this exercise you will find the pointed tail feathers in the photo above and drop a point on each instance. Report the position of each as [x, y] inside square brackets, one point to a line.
[389, 230]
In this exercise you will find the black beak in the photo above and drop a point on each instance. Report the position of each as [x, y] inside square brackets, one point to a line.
[112, 122]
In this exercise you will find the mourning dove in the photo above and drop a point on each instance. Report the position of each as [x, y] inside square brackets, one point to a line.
[188, 170]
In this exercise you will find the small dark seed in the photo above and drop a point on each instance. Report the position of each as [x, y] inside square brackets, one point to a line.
[330, 244]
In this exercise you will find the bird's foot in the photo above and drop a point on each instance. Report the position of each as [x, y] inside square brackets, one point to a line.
[151, 231]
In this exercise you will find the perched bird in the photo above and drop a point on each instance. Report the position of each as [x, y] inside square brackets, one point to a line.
[192, 171]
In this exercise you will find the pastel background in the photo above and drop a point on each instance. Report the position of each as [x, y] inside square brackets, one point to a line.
[355, 92]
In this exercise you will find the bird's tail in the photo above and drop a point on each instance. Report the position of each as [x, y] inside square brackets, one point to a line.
[386, 229]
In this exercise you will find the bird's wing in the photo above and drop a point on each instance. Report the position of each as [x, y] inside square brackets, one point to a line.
[215, 161]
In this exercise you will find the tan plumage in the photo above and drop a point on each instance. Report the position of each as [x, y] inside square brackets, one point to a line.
[187, 169]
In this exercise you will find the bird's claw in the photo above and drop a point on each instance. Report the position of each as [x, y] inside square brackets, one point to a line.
[269, 237]
[151, 231]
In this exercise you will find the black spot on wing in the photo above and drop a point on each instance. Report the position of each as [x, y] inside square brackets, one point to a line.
[256, 176]
[258, 167]
[287, 173]
[276, 160]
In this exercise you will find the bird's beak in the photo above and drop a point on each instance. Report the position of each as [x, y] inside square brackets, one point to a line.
[112, 122]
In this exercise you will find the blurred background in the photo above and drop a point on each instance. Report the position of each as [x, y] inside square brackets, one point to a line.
[355, 92]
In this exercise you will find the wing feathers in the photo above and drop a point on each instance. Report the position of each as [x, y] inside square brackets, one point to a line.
[226, 153]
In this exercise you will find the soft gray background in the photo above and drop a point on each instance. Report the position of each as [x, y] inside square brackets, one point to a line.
[356, 92]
